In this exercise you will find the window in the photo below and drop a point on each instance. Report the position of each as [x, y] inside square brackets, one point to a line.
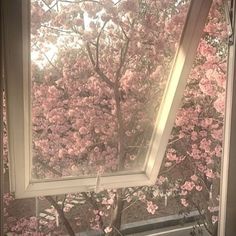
[42, 165]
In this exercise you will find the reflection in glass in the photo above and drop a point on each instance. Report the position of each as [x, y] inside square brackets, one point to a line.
[99, 70]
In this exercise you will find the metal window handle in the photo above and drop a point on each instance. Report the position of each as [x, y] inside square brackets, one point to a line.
[228, 15]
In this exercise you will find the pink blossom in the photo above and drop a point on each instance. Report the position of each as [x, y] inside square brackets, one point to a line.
[183, 193]
[171, 155]
[110, 201]
[107, 229]
[151, 207]
[205, 49]
[219, 104]
[203, 133]
[205, 145]
[218, 151]
[196, 153]
[213, 208]
[206, 122]
[184, 202]
[214, 219]
[201, 167]
[161, 179]
[194, 135]
[168, 164]
[188, 185]
[217, 134]
[209, 173]
[194, 178]
[83, 130]
[198, 188]
[207, 87]
[129, 5]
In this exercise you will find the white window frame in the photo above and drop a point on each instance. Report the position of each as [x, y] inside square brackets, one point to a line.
[227, 213]
[17, 61]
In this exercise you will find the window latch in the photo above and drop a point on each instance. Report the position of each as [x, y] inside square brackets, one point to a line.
[97, 187]
[229, 20]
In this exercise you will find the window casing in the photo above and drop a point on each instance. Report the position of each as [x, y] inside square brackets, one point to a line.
[17, 38]
[227, 212]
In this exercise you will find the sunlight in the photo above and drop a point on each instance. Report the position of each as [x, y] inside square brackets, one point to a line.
[41, 58]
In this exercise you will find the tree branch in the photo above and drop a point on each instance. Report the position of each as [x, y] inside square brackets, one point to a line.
[48, 60]
[102, 76]
[82, 1]
[49, 168]
[97, 44]
[95, 206]
[57, 29]
[90, 54]
[124, 51]
[63, 202]
[61, 214]
[117, 213]
[96, 63]
[202, 217]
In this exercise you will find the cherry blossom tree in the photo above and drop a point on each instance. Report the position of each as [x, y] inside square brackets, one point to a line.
[196, 143]
[104, 87]
[94, 103]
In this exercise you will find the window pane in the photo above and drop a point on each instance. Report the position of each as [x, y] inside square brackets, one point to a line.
[99, 70]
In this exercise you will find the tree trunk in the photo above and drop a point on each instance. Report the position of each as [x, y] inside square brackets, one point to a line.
[117, 215]
[120, 124]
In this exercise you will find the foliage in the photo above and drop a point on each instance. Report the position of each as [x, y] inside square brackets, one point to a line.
[95, 100]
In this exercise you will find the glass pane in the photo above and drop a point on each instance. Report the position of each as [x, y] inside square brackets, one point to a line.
[99, 70]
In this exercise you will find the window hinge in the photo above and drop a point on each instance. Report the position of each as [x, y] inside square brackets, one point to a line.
[228, 5]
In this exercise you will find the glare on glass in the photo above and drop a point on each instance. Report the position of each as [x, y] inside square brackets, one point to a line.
[98, 74]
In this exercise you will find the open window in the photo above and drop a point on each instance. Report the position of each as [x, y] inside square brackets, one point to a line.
[93, 88]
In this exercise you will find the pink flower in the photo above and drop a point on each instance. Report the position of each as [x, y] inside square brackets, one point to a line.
[151, 207]
[209, 173]
[194, 135]
[214, 219]
[201, 167]
[207, 87]
[206, 49]
[161, 179]
[219, 104]
[83, 130]
[205, 145]
[110, 201]
[183, 193]
[188, 185]
[196, 153]
[198, 188]
[218, 151]
[194, 178]
[168, 164]
[207, 122]
[107, 229]
[171, 155]
[217, 134]
[129, 5]
[184, 202]
[213, 209]
[70, 151]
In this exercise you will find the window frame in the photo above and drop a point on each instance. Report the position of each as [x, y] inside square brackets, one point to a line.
[1, 125]
[17, 39]
[227, 212]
